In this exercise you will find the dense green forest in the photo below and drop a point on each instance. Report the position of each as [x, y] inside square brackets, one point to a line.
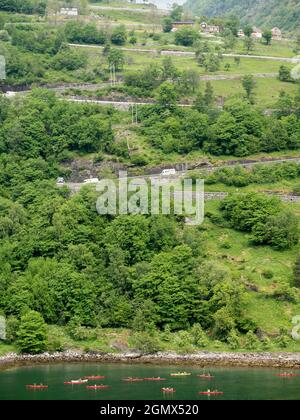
[24, 6]
[60, 259]
[70, 278]
[238, 130]
[282, 13]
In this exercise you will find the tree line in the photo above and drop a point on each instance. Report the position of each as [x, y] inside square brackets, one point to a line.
[24, 6]
[238, 129]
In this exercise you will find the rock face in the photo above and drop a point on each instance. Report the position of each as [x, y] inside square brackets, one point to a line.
[80, 169]
[203, 358]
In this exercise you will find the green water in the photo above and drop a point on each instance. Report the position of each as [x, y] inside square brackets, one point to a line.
[237, 384]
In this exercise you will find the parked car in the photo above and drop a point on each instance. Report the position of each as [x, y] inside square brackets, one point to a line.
[60, 181]
[91, 181]
[167, 172]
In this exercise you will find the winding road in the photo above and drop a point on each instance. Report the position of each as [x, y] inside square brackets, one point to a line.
[219, 195]
[131, 9]
[208, 196]
[293, 60]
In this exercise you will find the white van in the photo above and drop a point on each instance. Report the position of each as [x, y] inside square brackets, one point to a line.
[167, 172]
[60, 181]
[91, 181]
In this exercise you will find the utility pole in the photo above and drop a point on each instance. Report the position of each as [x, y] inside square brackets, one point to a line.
[112, 69]
[134, 113]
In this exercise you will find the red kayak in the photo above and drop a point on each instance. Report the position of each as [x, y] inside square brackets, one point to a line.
[133, 379]
[37, 386]
[94, 378]
[168, 390]
[286, 375]
[211, 393]
[97, 387]
[154, 379]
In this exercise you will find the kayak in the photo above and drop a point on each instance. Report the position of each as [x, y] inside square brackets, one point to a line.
[168, 390]
[211, 393]
[181, 374]
[37, 386]
[205, 376]
[132, 379]
[76, 382]
[97, 387]
[94, 378]
[286, 375]
[154, 379]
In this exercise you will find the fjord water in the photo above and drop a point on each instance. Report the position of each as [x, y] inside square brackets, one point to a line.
[237, 384]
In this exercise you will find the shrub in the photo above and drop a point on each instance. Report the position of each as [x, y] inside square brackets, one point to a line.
[286, 293]
[268, 274]
[233, 340]
[80, 333]
[98, 158]
[199, 337]
[283, 339]
[146, 342]
[119, 35]
[184, 341]
[68, 59]
[280, 231]
[12, 325]
[285, 74]
[55, 345]
[296, 274]
[225, 245]
[223, 323]
[251, 341]
[266, 343]
[139, 160]
[296, 190]
[31, 334]
[4, 36]
[186, 37]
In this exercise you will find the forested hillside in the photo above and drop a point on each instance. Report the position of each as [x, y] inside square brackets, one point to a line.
[99, 283]
[282, 13]
[24, 6]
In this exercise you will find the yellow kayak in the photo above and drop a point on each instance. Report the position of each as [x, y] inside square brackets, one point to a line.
[180, 374]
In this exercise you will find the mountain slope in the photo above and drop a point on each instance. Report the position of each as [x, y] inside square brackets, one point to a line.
[282, 13]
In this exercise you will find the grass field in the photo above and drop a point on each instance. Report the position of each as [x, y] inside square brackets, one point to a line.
[266, 92]
[249, 263]
[282, 48]
[137, 60]
[267, 89]
[6, 348]
[129, 17]
[119, 3]
[283, 187]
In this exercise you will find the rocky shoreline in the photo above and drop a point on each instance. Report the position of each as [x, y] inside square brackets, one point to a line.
[202, 359]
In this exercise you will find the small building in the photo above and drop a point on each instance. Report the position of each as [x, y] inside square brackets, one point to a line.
[241, 33]
[276, 34]
[68, 11]
[213, 29]
[257, 33]
[143, 2]
[183, 24]
[210, 29]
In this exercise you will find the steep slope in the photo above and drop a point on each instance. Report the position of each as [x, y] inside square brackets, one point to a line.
[282, 13]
